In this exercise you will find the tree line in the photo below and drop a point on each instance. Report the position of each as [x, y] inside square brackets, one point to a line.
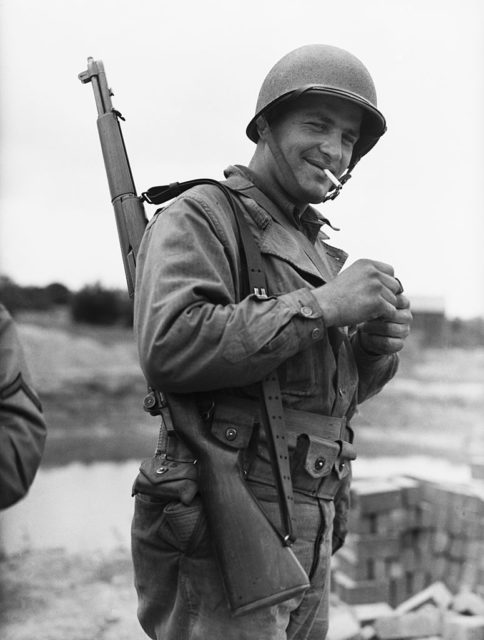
[92, 304]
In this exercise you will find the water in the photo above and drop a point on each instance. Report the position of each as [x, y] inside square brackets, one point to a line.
[82, 508]
[77, 507]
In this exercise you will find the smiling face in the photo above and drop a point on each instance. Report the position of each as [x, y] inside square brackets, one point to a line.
[317, 132]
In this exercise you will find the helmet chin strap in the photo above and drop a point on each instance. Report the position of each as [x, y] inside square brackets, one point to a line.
[290, 180]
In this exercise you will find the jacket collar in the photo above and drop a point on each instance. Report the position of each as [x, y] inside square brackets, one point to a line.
[308, 219]
[301, 244]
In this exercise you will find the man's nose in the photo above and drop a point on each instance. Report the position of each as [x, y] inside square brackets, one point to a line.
[331, 147]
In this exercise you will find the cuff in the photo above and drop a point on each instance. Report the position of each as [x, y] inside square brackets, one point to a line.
[307, 316]
[303, 303]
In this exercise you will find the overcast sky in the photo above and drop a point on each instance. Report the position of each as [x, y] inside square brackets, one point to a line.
[186, 76]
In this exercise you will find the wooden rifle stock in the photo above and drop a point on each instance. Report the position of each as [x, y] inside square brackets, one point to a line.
[258, 570]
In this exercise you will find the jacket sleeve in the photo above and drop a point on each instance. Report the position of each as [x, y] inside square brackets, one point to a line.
[22, 426]
[194, 331]
[373, 371]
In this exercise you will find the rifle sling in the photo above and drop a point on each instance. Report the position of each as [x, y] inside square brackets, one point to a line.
[272, 411]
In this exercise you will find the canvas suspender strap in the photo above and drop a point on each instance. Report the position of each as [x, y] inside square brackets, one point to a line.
[272, 413]
[319, 260]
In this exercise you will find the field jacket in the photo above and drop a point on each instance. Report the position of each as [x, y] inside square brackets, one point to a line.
[22, 426]
[199, 331]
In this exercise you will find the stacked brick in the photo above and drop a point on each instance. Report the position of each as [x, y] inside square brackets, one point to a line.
[370, 567]
[406, 534]
[432, 614]
[457, 534]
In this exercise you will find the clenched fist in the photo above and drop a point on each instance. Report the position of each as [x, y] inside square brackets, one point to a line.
[361, 293]
[387, 335]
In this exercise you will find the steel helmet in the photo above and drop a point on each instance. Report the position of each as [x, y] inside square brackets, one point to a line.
[331, 71]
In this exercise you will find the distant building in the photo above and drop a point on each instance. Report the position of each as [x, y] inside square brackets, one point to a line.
[429, 321]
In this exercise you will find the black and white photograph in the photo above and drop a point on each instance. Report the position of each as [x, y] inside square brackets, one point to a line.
[241, 320]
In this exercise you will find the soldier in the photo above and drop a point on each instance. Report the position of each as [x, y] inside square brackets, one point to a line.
[22, 426]
[331, 335]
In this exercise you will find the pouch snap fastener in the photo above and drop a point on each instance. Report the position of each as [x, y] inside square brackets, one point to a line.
[230, 434]
[319, 463]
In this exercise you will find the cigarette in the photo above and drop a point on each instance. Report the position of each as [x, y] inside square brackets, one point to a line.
[333, 178]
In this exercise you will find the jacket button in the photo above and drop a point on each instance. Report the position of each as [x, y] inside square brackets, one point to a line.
[319, 463]
[306, 311]
[230, 434]
[315, 334]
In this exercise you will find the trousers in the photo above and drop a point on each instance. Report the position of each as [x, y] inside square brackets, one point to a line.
[179, 586]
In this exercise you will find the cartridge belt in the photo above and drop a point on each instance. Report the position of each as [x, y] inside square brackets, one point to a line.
[325, 441]
[243, 414]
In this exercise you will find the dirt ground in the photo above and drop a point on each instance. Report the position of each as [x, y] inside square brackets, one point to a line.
[92, 390]
[54, 596]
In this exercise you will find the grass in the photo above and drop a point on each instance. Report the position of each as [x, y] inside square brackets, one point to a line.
[91, 388]
[88, 423]
[434, 406]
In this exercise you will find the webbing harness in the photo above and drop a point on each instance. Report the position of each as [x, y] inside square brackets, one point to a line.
[272, 412]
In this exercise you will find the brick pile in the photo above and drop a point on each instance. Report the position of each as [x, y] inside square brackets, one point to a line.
[406, 534]
[413, 563]
[433, 614]
[457, 534]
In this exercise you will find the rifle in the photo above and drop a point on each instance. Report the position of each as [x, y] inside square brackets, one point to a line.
[257, 566]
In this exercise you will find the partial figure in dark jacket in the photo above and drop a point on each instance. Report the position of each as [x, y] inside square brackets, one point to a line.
[22, 426]
[331, 335]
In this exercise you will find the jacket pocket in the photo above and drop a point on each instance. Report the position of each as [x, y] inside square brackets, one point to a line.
[299, 373]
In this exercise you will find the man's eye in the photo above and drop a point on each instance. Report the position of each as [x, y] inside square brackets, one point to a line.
[348, 139]
[321, 126]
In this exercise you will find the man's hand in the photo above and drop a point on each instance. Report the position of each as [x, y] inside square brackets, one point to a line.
[386, 335]
[363, 292]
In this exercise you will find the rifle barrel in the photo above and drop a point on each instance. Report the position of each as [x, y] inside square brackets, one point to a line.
[128, 208]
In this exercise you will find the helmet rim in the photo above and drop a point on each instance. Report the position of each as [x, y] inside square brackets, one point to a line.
[373, 124]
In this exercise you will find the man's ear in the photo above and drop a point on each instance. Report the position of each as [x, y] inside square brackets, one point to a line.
[262, 127]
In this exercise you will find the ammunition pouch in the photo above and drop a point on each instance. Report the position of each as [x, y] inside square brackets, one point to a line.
[321, 464]
[170, 475]
[231, 426]
[320, 447]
